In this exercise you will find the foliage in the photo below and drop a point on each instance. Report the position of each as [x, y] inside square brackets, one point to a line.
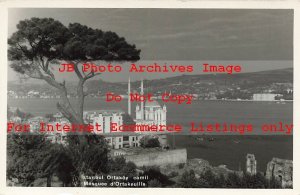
[33, 156]
[149, 142]
[154, 183]
[25, 154]
[154, 173]
[127, 119]
[19, 113]
[181, 165]
[118, 165]
[87, 158]
[188, 180]
[50, 117]
[173, 174]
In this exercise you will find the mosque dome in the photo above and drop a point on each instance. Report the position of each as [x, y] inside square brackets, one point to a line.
[152, 103]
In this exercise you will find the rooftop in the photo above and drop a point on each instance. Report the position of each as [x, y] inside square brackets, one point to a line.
[152, 103]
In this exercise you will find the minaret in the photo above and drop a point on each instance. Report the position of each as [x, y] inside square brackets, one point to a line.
[142, 103]
[129, 102]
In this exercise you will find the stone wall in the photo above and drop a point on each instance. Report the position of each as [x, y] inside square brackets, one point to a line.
[158, 158]
[281, 170]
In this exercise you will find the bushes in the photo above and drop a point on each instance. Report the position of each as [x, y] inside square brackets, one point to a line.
[156, 178]
[149, 142]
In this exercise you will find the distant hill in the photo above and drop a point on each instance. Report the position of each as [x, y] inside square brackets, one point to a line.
[196, 84]
[189, 82]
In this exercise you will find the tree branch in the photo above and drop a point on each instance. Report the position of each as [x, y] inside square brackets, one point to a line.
[79, 75]
[91, 75]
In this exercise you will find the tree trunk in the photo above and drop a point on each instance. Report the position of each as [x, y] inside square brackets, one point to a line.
[80, 102]
[49, 178]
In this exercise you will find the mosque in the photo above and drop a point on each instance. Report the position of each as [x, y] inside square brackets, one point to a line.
[149, 112]
[146, 113]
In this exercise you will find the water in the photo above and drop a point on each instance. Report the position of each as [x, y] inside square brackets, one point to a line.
[230, 150]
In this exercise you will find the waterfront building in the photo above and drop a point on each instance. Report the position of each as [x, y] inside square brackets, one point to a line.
[264, 96]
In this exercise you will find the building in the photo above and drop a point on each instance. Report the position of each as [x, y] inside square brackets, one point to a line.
[264, 96]
[150, 113]
[104, 118]
[119, 140]
[251, 164]
[35, 123]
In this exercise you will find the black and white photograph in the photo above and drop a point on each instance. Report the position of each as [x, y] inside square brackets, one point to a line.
[150, 98]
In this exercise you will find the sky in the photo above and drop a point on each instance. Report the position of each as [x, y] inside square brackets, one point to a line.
[259, 39]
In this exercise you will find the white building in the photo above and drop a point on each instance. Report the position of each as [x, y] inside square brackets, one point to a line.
[150, 113]
[264, 97]
[115, 140]
[104, 118]
[34, 123]
[121, 140]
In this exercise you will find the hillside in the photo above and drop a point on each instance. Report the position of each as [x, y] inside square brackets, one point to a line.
[207, 86]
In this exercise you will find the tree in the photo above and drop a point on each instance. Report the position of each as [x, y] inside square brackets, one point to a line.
[129, 170]
[234, 181]
[274, 183]
[118, 166]
[22, 115]
[127, 119]
[154, 183]
[24, 153]
[40, 44]
[209, 177]
[149, 142]
[50, 117]
[154, 173]
[188, 180]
